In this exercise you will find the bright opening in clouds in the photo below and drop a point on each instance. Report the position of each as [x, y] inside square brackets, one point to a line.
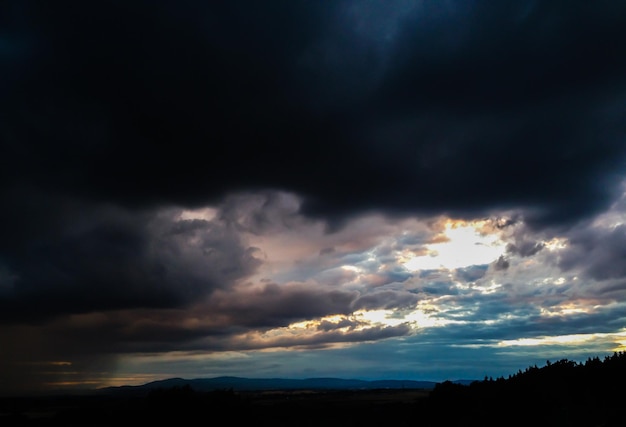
[359, 189]
[461, 244]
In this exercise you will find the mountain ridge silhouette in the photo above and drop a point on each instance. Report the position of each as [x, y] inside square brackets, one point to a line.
[236, 383]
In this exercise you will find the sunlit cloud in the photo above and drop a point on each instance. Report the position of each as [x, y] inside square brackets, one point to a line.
[204, 214]
[461, 244]
[618, 338]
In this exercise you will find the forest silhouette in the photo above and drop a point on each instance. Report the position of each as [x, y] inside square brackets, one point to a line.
[560, 393]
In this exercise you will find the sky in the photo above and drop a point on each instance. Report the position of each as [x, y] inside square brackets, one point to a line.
[397, 189]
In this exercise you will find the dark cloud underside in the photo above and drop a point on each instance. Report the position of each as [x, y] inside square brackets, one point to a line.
[457, 107]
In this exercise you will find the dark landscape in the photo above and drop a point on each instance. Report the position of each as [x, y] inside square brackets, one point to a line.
[560, 393]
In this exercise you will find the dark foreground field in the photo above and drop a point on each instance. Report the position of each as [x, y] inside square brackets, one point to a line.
[177, 406]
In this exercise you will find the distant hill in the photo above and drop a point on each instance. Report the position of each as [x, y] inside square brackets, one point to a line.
[260, 384]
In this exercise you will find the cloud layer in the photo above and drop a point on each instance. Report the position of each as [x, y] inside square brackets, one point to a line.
[404, 181]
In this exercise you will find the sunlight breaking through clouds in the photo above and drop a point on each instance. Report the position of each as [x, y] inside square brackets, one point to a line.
[617, 338]
[377, 279]
[460, 244]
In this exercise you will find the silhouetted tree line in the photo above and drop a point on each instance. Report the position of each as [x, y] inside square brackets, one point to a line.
[561, 393]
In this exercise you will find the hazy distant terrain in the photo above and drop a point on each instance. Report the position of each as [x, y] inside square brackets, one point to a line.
[257, 384]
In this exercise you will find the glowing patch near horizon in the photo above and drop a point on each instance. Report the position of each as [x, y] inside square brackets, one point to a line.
[72, 383]
[464, 245]
[567, 308]
[130, 380]
[48, 363]
[618, 338]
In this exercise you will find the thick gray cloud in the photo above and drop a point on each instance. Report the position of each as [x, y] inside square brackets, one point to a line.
[386, 299]
[274, 305]
[599, 252]
[472, 273]
[501, 263]
[105, 258]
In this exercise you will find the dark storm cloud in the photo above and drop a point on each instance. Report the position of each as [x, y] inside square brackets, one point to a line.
[104, 258]
[458, 107]
[261, 212]
[525, 248]
[226, 317]
[482, 106]
[278, 305]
